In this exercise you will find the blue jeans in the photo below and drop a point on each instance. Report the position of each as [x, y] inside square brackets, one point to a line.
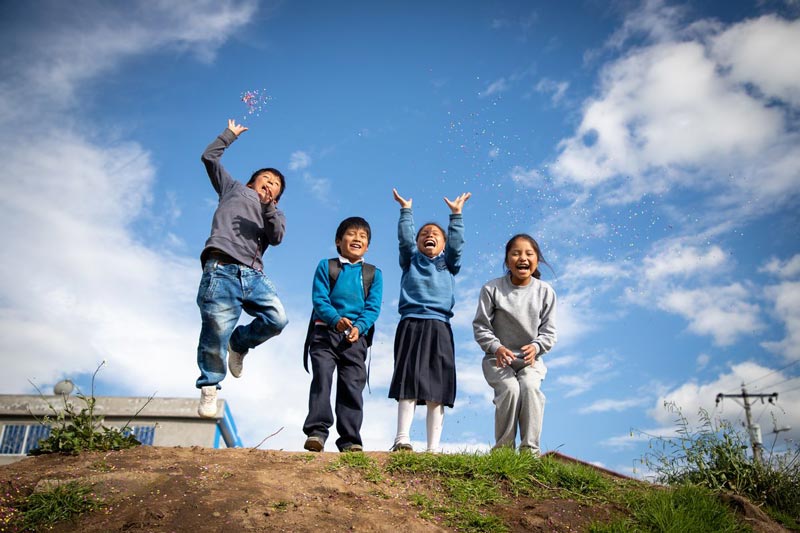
[225, 290]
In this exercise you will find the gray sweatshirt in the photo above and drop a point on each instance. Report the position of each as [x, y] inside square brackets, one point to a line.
[242, 226]
[513, 316]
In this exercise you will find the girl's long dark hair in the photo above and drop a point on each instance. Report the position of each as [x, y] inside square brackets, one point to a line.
[536, 274]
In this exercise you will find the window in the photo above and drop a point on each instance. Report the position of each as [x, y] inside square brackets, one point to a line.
[143, 434]
[19, 439]
[35, 434]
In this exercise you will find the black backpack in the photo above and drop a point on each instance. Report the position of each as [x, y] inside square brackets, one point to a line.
[334, 269]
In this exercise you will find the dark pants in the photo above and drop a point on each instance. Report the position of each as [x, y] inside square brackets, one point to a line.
[329, 350]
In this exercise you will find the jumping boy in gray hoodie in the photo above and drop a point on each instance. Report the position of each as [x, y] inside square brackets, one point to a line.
[246, 222]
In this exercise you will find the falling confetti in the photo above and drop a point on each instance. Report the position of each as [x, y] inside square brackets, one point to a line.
[255, 101]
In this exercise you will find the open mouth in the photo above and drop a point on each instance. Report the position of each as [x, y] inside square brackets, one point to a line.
[355, 246]
[523, 267]
[429, 243]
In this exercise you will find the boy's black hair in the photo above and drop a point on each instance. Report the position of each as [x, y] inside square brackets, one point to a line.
[271, 170]
[422, 227]
[352, 222]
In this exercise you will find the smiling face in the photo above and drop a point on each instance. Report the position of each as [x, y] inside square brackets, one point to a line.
[521, 261]
[430, 240]
[267, 185]
[353, 244]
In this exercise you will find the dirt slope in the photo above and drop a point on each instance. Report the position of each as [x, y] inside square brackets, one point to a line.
[199, 489]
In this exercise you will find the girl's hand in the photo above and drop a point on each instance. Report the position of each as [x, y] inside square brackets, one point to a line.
[237, 129]
[404, 204]
[353, 336]
[504, 357]
[458, 204]
[343, 325]
[530, 351]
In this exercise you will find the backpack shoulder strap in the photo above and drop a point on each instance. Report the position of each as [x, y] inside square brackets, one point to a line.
[367, 276]
[334, 269]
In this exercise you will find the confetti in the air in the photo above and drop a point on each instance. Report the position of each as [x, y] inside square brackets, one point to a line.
[255, 101]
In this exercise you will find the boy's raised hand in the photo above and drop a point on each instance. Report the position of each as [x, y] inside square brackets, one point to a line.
[404, 204]
[458, 204]
[237, 129]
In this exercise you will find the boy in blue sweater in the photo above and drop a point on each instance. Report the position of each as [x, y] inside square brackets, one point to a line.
[246, 222]
[347, 296]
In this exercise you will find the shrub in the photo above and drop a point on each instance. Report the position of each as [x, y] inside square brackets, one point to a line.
[715, 456]
[72, 432]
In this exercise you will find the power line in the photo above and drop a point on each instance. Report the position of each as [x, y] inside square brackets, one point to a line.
[784, 381]
[773, 372]
[789, 390]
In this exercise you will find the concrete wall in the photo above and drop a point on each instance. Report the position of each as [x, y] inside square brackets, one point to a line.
[175, 419]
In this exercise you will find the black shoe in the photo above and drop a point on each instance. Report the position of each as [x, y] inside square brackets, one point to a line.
[353, 448]
[402, 447]
[314, 444]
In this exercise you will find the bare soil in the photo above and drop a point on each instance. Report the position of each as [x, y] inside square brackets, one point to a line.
[199, 489]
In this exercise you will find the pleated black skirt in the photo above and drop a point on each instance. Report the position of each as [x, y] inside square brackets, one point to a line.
[424, 362]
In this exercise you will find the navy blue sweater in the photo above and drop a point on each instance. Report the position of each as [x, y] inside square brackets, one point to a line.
[427, 286]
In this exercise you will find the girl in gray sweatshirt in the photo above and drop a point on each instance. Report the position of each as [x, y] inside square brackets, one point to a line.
[515, 324]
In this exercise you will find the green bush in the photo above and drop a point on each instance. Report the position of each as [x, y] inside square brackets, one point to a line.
[72, 432]
[715, 456]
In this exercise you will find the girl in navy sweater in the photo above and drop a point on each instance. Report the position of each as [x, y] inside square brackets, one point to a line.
[424, 353]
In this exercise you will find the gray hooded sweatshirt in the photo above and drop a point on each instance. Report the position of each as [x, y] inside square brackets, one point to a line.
[242, 226]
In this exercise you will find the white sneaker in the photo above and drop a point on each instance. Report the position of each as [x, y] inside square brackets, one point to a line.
[208, 402]
[235, 362]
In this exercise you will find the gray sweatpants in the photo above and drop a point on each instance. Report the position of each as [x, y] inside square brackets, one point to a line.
[519, 401]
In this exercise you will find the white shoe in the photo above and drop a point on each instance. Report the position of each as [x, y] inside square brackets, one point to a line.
[208, 402]
[235, 362]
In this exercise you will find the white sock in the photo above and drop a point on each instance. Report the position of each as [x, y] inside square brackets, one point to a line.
[405, 415]
[434, 422]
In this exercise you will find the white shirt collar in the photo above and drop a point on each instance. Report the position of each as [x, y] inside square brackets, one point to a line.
[344, 260]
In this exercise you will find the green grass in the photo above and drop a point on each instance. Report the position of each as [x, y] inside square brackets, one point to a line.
[716, 456]
[62, 502]
[683, 509]
[359, 461]
[472, 482]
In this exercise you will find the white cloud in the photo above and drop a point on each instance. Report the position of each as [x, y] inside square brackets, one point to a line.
[672, 113]
[496, 87]
[594, 370]
[724, 312]
[743, 50]
[65, 52]
[783, 269]
[607, 404]
[299, 160]
[702, 361]
[679, 260]
[528, 178]
[691, 397]
[557, 89]
[786, 298]
[320, 188]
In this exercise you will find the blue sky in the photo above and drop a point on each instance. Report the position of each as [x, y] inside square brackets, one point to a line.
[652, 148]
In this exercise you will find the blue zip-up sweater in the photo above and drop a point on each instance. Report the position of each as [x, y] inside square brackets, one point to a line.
[242, 226]
[347, 298]
[427, 287]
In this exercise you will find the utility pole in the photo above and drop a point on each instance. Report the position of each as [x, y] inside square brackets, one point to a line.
[753, 430]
